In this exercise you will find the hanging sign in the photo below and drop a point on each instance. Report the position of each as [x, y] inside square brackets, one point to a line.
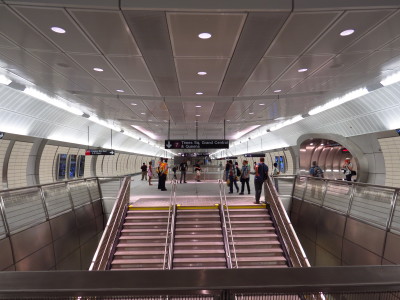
[99, 152]
[196, 144]
[254, 155]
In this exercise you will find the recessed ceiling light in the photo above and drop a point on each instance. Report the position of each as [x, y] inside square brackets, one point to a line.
[98, 69]
[347, 32]
[198, 105]
[302, 70]
[204, 35]
[199, 93]
[311, 144]
[142, 113]
[261, 104]
[58, 29]
[133, 104]
[251, 113]
[277, 91]
[228, 120]
[322, 144]
[201, 73]
[197, 115]
[120, 91]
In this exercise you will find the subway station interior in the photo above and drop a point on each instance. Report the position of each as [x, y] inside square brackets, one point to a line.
[91, 91]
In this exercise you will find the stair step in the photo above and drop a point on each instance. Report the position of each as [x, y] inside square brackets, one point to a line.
[255, 243]
[145, 231]
[261, 235]
[116, 268]
[137, 252]
[196, 267]
[263, 214]
[198, 252]
[141, 237]
[243, 222]
[146, 218]
[249, 266]
[196, 222]
[178, 243]
[197, 229]
[138, 260]
[199, 260]
[146, 223]
[193, 216]
[263, 259]
[148, 212]
[198, 236]
[258, 250]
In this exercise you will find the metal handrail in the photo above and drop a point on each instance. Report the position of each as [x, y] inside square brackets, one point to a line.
[171, 218]
[225, 204]
[224, 229]
[172, 239]
[104, 250]
[293, 246]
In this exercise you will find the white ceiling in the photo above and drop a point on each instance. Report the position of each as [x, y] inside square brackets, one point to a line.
[152, 52]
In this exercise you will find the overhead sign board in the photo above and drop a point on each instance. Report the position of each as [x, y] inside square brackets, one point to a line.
[99, 152]
[197, 144]
[254, 155]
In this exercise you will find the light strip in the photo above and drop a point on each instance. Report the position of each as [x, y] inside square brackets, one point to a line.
[53, 101]
[339, 101]
[146, 132]
[391, 79]
[239, 134]
[286, 123]
[5, 80]
[104, 123]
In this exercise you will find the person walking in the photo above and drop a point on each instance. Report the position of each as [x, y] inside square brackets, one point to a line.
[259, 178]
[144, 171]
[275, 173]
[183, 167]
[174, 169]
[232, 177]
[348, 169]
[227, 167]
[245, 177]
[163, 174]
[150, 172]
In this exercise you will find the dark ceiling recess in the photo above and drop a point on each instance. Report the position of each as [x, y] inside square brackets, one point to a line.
[258, 33]
[152, 37]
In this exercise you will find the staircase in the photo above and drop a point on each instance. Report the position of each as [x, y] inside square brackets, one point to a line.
[198, 239]
[255, 239]
[142, 241]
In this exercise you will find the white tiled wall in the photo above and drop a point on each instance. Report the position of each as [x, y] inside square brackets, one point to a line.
[390, 149]
[3, 149]
[46, 173]
[17, 166]
[99, 164]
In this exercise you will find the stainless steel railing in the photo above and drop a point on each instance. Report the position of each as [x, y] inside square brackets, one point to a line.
[224, 228]
[292, 245]
[229, 231]
[103, 254]
[169, 237]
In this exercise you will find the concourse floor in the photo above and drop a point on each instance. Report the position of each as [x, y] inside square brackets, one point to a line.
[191, 193]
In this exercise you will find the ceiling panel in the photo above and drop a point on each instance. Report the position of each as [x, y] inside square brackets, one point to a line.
[131, 67]
[207, 88]
[311, 84]
[116, 84]
[393, 45]
[88, 62]
[382, 34]
[185, 27]
[6, 43]
[43, 19]
[219, 110]
[310, 62]
[270, 68]
[374, 61]
[14, 28]
[284, 85]
[254, 88]
[176, 111]
[360, 21]
[111, 35]
[144, 88]
[187, 69]
[237, 108]
[291, 41]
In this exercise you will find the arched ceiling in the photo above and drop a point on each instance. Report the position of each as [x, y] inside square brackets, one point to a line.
[150, 49]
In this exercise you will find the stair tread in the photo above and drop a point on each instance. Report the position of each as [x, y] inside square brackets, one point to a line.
[198, 259]
[198, 229]
[146, 223]
[255, 243]
[130, 245]
[197, 222]
[197, 236]
[262, 258]
[138, 260]
[138, 252]
[140, 237]
[143, 230]
[198, 243]
[258, 250]
[193, 251]
[254, 235]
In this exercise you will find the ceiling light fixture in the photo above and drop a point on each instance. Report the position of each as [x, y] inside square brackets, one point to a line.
[302, 70]
[198, 105]
[261, 104]
[199, 93]
[5, 80]
[142, 113]
[58, 29]
[133, 104]
[98, 69]
[277, 91]
[120, 91]
[205, 35]
[197, 115]
[347, 32]
[391, 79]
[251, 113]
[201, 73]
[146, 132]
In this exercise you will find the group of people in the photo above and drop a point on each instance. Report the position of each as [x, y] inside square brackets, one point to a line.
[347, 168]
[162, 172]
[233, 173]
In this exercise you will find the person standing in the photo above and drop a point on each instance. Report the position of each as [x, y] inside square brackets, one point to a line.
[348, 169]
[150, 172]
[144, 171]
[245, 177]
[259, 178]
[174, 169]
[197, 171]
[158, 170]
[183, 167]
[163, 174]
[316, 171]
[227, 167]
[232, 177]
[275, 173]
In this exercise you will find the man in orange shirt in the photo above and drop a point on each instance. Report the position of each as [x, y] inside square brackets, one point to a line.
[163, 174]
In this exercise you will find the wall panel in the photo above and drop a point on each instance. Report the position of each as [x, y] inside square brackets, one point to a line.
[99, 165]
[46, 165]
[17, 165]
[390, 149]
[3, 149]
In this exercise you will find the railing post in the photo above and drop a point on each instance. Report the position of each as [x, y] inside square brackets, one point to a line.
[351, 200]
[392, 210]
[90, 194]
[325, 192]
[3, 214]
[70, 195]
[44, 204]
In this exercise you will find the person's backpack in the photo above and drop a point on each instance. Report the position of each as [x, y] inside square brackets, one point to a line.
[317, 172]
